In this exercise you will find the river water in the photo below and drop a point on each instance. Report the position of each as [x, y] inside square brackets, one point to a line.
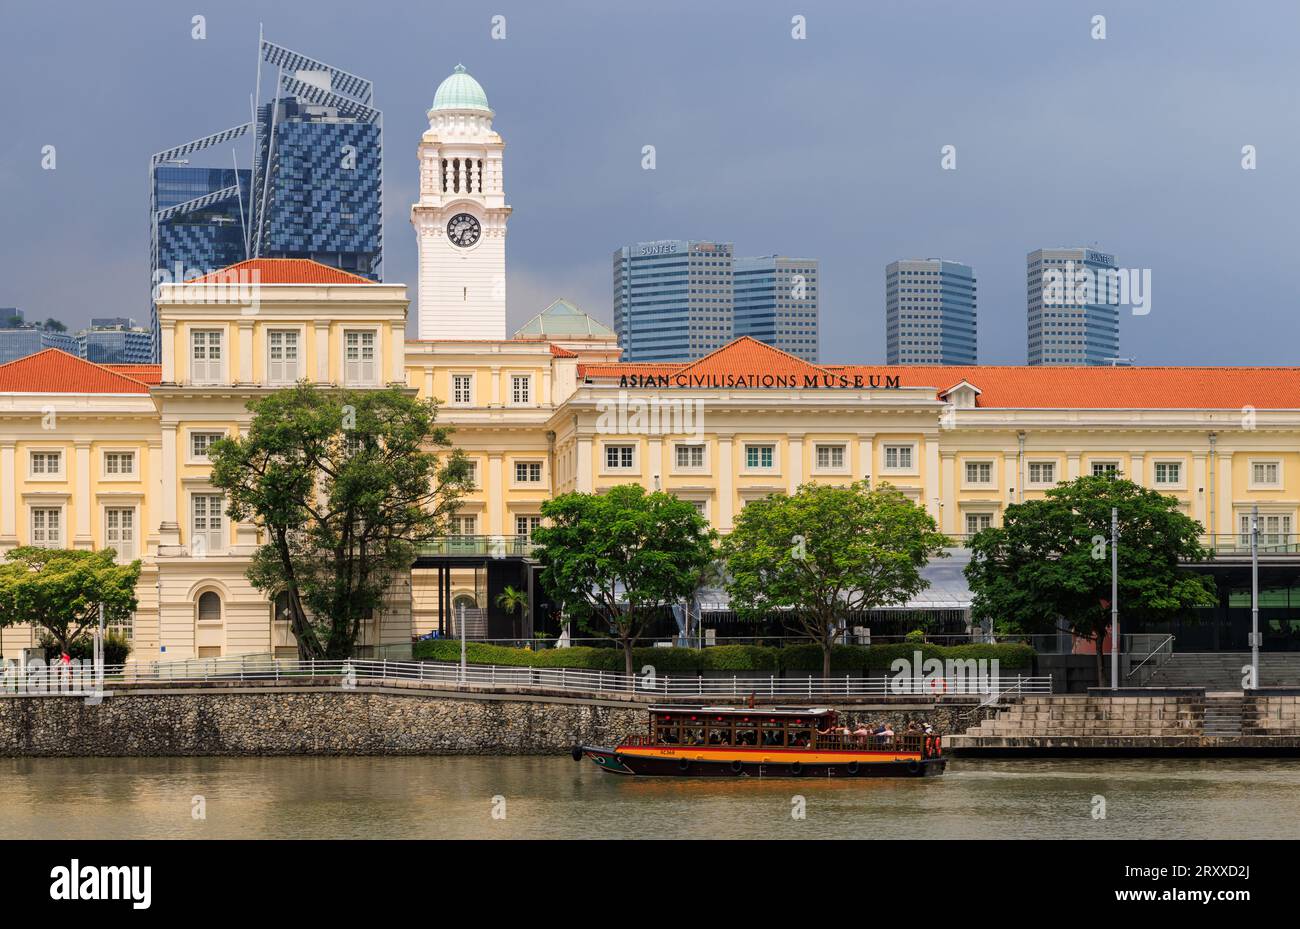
[548, 797]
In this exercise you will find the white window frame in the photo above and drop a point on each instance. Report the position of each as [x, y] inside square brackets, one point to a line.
[45, 475]
[534, 520]
[528, 462]
[1282, 534]
[701, 468]
[284, 376]
[108, 475]
[1180, 484]
[60, 513]
[979, 462]
[454, 376]
[208, 371]
[190, 456]
[1262, 485]
[773, 468]
[527, 378]
[913, 467]
[361, 372]
[456, 523]
[636, 458]
[214, 538]
[976, 514]
[132, 550]
[841, 468]
[1029, 470]
[1112, 463]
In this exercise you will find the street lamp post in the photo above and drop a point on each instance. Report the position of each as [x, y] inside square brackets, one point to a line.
[1254, 596]
[1114, 598]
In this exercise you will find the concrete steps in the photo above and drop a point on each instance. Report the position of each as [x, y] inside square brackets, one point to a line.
[1223, 715]
[1220, 671]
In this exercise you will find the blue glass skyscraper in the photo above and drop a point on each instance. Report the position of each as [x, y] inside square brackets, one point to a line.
[930, 312]
[776, 301]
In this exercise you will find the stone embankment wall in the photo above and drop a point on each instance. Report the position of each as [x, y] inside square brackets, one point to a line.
[367, 720]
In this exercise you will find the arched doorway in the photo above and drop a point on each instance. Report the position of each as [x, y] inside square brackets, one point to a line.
[209, 625]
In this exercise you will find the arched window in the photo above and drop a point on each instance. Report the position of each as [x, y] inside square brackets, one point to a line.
[209, 607]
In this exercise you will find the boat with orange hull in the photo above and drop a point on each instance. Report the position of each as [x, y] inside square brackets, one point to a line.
[728, 741]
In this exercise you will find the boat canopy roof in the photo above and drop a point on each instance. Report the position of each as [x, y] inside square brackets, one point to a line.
[746, 710]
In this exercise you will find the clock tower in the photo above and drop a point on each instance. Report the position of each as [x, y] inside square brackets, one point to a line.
[460, 219]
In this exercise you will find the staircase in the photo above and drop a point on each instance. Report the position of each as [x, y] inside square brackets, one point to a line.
[1218, 671]
[1223, 714]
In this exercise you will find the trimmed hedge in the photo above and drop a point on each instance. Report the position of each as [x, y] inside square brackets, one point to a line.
[723, 657]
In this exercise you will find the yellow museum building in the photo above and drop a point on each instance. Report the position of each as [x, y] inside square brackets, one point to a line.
[115, 455]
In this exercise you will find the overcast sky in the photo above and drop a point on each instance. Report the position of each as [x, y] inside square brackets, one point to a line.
[827, 147]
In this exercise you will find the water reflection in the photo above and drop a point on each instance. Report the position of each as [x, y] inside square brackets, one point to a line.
[555, 798]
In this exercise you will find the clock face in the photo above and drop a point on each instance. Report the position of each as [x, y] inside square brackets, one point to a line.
[463, 230]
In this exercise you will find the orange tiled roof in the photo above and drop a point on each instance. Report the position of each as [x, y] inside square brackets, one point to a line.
[56, 372]
[147, 374]
[1011, 386]
[280, 271]
[561, 352]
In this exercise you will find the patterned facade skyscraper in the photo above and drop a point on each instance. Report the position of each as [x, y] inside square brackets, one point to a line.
[930, 312]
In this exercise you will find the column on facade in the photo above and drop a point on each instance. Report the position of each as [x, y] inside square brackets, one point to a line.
[866, 461]
[1137, 469]
[545, 398]
[496, 497]
[1223, 495]
[245, 532]
[726, 482]
[948, 491]
[795, 452]
[245, 351]
[322, 351]
[168, 530]
[398, 358]
[168, 336]
[1072, 466]
[930, 485]
[153, 475]
[82, 504]
[654, 470]
[584, 481]
[1197, 487]
[1011, 459]
[8, 493]
[496, 385]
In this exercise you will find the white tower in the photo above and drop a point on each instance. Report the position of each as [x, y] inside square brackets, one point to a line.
[460, 219]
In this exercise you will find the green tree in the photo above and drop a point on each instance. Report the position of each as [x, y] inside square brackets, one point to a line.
[513, 600]
[826, 552]
[60, 590]
[615, 559]
[1050, 561]
[53, 325]
[342, 484]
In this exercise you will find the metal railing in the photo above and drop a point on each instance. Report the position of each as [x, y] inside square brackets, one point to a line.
[1140, 673]
[263, 669]
[486, 546]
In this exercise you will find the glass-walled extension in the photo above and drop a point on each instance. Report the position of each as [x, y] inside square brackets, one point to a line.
[1226, 626]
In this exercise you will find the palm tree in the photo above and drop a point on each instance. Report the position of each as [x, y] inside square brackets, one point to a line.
[512, 600]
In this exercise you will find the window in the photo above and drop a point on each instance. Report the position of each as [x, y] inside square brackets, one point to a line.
[898, 457]
[209, 607]
[119, 464]
[200, 442]
[829, 457]
[524, 525]
[462, 389]
[119, 531]
[690, 456]
[979, 472]
[701, 507]
[463, 525]
[1105, 468]
[48, 464]
[359, 357]
[760, 457]
[528, 472]
[521, 388]
[1169, 472]
[1042, 472]
[473, 474]
[47, 527]
[1273, 530]
[282, 356]
[207, 521]
[205, 356]
[1265, 473]
[619, 457]
[977, 522]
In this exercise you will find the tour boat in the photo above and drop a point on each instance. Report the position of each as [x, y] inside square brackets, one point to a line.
[728, 741]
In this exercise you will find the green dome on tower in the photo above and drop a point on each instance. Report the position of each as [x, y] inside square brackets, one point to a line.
[460, 92]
